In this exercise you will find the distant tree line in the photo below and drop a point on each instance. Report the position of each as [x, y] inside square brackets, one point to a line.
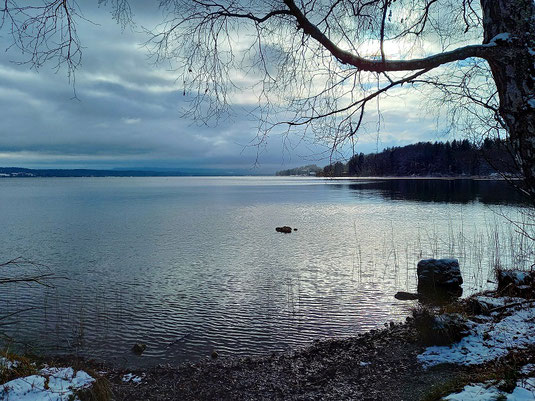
[26, 172]
[311, 169]
[186, 172]
[456, 158]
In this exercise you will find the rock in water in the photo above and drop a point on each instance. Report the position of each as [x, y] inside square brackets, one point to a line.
[439, 278]
[139, 348]
[284, 229]
[406, 296]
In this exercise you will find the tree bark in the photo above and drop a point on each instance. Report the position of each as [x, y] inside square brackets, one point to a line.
[513, 69]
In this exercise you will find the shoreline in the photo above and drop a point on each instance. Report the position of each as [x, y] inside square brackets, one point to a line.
[385, 364]
[260, 176]
[375, 365]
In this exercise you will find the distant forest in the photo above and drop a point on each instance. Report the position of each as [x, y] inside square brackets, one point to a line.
[186, 172]
[26, 172]
[423, 159]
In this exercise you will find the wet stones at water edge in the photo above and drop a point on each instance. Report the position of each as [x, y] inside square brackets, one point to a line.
[439, 278]
[284, 229]
[139, 348]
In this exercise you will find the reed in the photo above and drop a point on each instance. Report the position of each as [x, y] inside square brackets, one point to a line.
[480, 249]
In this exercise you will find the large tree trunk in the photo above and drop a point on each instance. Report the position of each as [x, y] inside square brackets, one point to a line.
[513, 69]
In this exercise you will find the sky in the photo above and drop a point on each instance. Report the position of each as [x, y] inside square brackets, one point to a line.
[127, 113]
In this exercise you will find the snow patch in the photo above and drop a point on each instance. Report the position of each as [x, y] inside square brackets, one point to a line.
[7, 364]
[524, 391]
[527, 369]
[51, 384]
[504, 36]
[492, 303]
[487, 341]
[130, 377]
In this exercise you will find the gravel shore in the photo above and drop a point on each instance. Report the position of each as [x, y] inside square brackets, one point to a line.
[379, 365]
[496, 354]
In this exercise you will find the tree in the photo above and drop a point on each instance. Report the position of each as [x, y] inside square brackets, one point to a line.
[338, 169]
[354, 165]
[318, 64]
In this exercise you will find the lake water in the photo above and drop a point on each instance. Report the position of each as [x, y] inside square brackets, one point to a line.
[190, 265]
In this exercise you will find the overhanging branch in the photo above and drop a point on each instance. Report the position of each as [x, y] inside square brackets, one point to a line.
[360, 103]
[364, 64]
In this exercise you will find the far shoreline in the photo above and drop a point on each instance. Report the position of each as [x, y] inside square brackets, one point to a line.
[107, 174]
[423, 177]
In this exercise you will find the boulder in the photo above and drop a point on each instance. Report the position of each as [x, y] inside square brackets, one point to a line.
[284, 229]
[516, 283]
[439, 278]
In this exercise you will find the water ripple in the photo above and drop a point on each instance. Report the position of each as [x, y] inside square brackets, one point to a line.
[188, 266]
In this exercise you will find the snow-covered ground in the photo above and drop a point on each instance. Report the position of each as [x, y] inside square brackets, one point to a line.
[490, 339]
[524, 391]
[51, 384]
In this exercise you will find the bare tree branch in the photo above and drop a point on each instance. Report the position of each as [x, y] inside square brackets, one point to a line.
[316, 64]
[462, 53]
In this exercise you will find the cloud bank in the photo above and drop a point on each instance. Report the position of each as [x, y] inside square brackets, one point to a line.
[125, 112]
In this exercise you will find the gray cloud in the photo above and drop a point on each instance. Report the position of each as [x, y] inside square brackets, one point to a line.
[127, 114]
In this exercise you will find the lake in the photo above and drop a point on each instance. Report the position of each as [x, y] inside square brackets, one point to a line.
[189, 265]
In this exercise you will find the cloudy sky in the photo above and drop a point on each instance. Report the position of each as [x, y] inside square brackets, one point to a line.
[127, 114]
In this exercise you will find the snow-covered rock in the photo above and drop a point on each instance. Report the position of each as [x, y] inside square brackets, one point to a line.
[439, 275]
[516, 282]
[484, 305]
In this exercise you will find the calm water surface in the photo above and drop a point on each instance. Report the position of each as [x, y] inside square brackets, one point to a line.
[191, 265]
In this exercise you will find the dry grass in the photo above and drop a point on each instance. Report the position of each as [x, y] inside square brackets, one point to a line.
[99, 391]
[25, 366]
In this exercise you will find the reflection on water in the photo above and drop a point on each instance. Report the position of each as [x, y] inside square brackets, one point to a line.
[491, 192]
[188, 265]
